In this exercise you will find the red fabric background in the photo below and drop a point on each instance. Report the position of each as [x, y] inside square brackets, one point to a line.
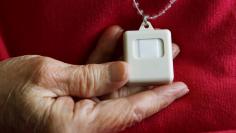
[205, 30]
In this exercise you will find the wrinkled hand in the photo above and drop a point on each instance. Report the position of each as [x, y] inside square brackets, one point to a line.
[41, 94]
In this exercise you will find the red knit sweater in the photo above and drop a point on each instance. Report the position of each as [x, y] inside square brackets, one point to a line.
[205, 30]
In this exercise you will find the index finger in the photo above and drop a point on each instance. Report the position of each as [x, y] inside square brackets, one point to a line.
[106, 45]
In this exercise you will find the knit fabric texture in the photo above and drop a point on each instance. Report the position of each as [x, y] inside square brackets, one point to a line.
[205, 30]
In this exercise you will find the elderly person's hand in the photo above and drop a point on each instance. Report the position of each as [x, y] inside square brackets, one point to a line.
[41, 94]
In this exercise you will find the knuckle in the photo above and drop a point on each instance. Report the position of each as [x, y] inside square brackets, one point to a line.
[40, 60]
[164, 99]
[41, 68]
[167, 99]
[138, 114]
[74, 77]
[135, 114]
[89, 77]
[132, 115]
[80, 78]
[85, 79]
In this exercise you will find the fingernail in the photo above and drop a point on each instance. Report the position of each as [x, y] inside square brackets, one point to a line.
[180, 88]
[118, 32]
[118, 71]
[176, 50]
[118, 29]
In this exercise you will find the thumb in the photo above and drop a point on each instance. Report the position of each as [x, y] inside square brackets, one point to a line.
[95, 79]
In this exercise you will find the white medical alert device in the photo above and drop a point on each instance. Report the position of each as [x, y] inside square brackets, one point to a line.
[149, 55]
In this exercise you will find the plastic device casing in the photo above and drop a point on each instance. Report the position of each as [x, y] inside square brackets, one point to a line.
[149, 68]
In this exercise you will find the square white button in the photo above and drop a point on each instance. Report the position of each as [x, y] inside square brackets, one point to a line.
[149, 48]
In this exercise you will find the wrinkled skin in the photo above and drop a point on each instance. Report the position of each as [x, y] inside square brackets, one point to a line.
[41, 94]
